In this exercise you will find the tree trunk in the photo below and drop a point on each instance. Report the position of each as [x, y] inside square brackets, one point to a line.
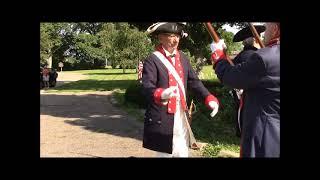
[137, 67]
[138, 63]
[49, 61]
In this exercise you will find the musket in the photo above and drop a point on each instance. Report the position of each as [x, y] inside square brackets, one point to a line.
[192, 106]
[215, 38]
[256, 35]
[192, 140]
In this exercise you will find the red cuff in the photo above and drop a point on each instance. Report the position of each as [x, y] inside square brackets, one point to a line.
[209, 98]
[157, 96]
[218, 53]
[215, 60]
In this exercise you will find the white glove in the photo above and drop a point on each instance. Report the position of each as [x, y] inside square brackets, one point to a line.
[239, 92]
[169, 92]
[220, 45]
[183, 34]
[214, 106]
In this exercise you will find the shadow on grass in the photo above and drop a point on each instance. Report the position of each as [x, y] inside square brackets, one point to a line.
[96, 85]
[92, 112]
[104, 74]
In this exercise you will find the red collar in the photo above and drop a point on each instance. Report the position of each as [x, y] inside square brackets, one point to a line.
[273, 42]
[160, 48]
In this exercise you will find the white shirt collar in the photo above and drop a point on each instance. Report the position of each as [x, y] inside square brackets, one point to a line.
[167, 52]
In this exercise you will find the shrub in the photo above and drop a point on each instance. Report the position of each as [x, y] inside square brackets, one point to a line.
[219, 130]
[134, 95]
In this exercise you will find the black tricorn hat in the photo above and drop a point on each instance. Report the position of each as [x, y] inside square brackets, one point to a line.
[167, 27]
[246, 33]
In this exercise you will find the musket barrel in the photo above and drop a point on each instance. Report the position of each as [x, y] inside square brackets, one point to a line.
[216, 38]
[212, 32]
[256, 35]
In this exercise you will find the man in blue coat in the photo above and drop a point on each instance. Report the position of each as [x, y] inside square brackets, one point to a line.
[249, 47]
[259, 76]
[167, 75]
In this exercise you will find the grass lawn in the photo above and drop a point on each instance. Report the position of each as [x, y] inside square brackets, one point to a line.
[100, 80]
[218, 132]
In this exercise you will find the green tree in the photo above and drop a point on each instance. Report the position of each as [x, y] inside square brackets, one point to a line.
[50, 41]
[88, 45]
[86, 27]
[124, 44]
[88, 50]
[228, 37]
[55, 40]
[198, 40]
[81, 46]
[107, 37]
[68, 39]
[133, 45]
[142, 46]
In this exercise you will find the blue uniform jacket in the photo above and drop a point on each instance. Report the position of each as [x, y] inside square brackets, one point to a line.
[158, 123]
[259, 76]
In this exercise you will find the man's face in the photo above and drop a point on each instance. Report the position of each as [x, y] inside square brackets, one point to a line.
[169, 41]
[272, 31]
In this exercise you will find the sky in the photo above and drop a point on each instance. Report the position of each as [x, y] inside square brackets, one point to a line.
[234, 29]
[228, 28]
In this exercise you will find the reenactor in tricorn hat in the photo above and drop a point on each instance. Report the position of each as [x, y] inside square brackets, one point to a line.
[249, 47]
[259, 76]
[167, 75]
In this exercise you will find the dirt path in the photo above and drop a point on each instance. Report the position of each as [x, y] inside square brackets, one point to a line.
[87, 125]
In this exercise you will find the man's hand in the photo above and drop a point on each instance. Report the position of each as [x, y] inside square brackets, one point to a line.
[169, 92]
[214, 106]
[217, 50]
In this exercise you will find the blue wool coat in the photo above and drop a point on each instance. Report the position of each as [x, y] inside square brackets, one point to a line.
[259, 76]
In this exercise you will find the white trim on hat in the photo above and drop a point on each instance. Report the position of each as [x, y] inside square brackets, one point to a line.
[183, 34]
[155, 26]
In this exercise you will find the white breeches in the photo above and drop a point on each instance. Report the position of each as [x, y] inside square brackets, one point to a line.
[180, 140]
